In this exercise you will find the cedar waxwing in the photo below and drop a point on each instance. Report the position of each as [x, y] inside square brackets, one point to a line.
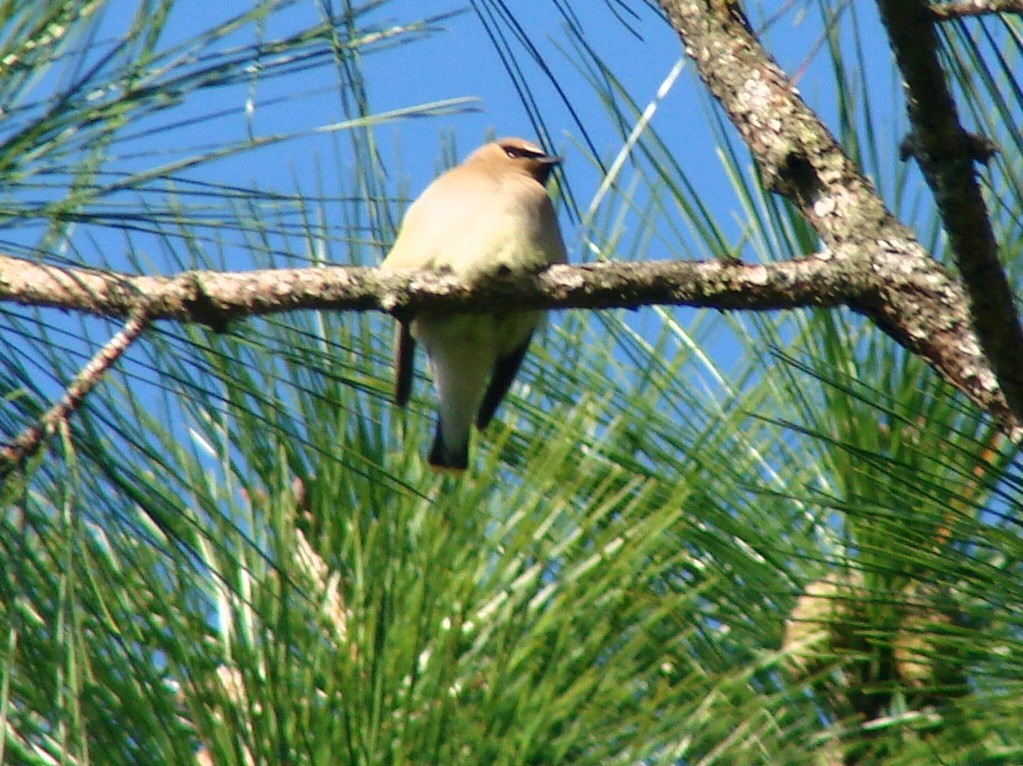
[488, 216]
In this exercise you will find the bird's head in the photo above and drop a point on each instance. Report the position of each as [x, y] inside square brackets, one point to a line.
[518, 156]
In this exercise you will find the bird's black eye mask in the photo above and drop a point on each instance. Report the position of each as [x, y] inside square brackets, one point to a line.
[516, 152]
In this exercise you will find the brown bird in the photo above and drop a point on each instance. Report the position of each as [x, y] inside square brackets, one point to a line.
[489, 216]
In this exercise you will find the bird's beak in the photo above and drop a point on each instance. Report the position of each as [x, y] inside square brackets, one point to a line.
[546, 168]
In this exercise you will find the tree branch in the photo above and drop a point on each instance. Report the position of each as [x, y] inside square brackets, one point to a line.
[958, 10]
[215, 298]
[800, 159]
[947, 155]
[907, 294]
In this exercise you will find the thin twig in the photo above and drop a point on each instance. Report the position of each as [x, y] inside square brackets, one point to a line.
[28, 441]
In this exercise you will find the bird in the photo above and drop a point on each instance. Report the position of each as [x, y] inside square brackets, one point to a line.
[490, 216]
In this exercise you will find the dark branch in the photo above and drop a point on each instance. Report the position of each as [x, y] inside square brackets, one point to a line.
[947, 154]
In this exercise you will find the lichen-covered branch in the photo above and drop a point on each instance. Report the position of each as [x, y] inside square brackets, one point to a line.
[907, 293]
[215, 298]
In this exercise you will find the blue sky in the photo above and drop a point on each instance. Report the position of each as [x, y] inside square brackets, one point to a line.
[460, 61]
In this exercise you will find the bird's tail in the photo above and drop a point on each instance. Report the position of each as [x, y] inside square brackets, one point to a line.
[453, 458]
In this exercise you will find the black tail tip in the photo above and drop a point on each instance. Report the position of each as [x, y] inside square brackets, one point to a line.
[446, 460]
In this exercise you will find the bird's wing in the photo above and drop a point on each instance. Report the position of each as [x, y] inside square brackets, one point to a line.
[505, 369]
